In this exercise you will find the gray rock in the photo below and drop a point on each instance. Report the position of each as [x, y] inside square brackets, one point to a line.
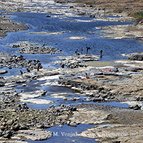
[139, 98]
[7, 134]
[136, 107]
[2, 84]
[97, 99]
[73, 124]
[3, 71]
[136, 56]
[16, 127]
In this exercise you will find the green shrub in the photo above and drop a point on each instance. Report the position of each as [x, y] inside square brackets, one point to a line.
[139, 15]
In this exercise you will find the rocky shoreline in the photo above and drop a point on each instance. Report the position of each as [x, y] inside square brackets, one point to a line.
[103, 10]
[121, 82]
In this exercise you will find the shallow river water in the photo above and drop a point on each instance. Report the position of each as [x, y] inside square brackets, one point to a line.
[63, 33]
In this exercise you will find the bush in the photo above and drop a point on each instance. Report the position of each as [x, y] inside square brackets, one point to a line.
[139, 15]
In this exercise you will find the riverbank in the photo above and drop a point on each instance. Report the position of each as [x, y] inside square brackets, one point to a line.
[107, 10]
[102, 10]
[78, 88]
[124, 6]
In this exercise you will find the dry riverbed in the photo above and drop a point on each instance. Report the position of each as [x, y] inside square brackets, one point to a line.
[17, 120]
[120, 82]
[111, 124]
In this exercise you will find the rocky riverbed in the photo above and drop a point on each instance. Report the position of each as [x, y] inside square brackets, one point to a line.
[119, 82]
[13, 61]
[33, 48]
[17, 120]
[76, 88]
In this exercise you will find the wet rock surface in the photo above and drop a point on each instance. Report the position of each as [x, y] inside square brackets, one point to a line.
[13, 61]
[3, 71]
[20, 117]
[33, 48]
[136, 56]
[76, 61]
